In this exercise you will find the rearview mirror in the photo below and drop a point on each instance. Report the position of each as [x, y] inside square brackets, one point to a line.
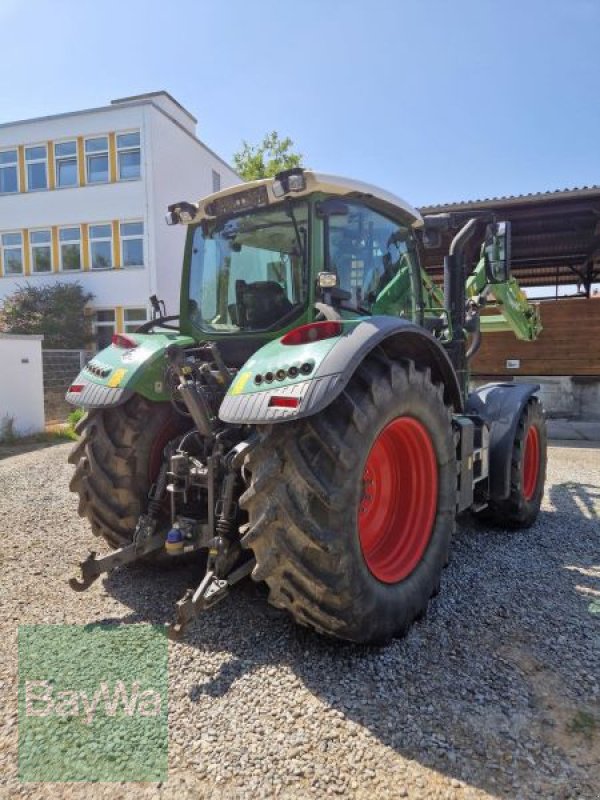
[497, 252]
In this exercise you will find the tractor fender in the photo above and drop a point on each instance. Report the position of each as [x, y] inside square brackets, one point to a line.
[116, 373]
[501, 406]
[334, 366]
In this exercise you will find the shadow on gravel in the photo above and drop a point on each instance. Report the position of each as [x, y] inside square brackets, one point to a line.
[482, 690]
[576, 499]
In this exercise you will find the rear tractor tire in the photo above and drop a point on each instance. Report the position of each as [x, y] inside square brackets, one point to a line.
[527, 473]
[351, 511]
[117, 458]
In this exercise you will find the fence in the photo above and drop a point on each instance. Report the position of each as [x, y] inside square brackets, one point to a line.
[59, 369]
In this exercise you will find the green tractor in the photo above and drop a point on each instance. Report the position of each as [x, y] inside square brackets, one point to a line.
[306, 419]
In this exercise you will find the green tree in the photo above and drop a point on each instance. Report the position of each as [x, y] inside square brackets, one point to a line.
[266, 159]
[56, 311]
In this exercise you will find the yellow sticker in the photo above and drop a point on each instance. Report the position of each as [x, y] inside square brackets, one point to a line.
[240, 382]
[116, 378]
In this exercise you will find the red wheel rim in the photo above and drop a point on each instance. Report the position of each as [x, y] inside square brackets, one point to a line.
[531, 462]
[399, 501]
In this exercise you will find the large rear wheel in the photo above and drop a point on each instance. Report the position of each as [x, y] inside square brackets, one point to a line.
[351, 512]
[117, 459]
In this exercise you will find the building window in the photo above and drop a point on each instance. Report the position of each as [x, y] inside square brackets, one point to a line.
[216, 180]
[36, 159]
[104, 327]
[133, 318]
[101, 246]
[9, 172]
[12, 253]
[132, 244]
[65, 156]
[128, 155]
[70, 249]
[41, 251]
[96, 159]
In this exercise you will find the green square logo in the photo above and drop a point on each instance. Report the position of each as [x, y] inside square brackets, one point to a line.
[93, 703]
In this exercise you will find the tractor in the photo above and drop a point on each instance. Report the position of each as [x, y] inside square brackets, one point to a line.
[306, 419]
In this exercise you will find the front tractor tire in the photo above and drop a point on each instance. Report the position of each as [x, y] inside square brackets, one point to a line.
[351, 512]
[528, 461]
[117, 458]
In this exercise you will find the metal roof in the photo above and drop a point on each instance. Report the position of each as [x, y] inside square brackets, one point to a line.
[555, 235]
[514, 199]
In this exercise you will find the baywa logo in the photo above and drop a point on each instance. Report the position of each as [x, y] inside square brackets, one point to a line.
[93, 703]
[42, 701]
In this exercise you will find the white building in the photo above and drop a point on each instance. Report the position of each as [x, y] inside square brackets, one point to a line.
[83, 197]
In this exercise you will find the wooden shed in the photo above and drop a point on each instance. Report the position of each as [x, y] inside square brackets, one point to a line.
[556, 258]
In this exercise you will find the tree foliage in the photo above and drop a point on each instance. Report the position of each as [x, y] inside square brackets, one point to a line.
[56, 311]
[266, 159]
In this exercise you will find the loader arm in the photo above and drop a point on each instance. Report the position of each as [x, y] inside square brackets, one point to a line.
[516, 313]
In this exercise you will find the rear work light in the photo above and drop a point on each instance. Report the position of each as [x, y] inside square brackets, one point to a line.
[122, 340]
[313, 332]
[284, 402]
[76, 388]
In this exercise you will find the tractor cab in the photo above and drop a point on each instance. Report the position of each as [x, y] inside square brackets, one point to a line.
[257, 261]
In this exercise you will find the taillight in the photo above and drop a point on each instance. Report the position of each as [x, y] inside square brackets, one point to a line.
[122, 340]
[284, 402]
[76, 388]
[313, 332]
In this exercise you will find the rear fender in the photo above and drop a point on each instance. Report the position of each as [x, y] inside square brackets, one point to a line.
[501, 406]
[332, 363]
[114, 374]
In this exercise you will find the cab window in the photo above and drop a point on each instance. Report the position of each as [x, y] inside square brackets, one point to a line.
[374, 258]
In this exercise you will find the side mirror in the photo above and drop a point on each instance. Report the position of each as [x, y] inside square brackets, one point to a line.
[496, 251]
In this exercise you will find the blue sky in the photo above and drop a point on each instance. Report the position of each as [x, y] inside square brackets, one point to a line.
[435, 100]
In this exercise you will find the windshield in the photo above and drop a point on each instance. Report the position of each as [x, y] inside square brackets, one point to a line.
[248, 272]
[374, 259]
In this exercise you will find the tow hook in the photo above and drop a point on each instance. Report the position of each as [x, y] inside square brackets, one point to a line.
[210, 592]
[145, 541]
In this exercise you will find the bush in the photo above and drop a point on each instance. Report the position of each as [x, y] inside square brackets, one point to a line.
[73, 419]
[57, 312]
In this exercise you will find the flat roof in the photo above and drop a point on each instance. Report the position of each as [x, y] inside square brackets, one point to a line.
[134, 100]
[149, 95]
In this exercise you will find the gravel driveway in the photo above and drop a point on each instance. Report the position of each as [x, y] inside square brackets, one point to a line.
[495, 694]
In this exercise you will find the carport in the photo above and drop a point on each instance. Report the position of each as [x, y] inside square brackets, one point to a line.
[556, 258]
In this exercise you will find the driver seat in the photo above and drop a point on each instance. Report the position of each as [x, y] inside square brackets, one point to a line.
[261, 304]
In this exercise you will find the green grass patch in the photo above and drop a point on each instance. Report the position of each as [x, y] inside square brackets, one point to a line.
[583, 723]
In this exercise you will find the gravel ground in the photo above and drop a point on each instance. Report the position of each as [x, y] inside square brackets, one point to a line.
[481, 699]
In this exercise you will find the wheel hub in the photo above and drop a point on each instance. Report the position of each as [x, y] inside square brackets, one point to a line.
[398, 505]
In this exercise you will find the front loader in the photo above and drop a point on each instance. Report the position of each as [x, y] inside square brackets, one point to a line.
[306, 419]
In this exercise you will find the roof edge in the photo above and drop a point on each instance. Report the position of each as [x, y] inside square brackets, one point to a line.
[512, 200]
[149, 96]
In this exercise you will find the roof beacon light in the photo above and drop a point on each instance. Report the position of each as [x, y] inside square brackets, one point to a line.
[313, 332]
[290, 180]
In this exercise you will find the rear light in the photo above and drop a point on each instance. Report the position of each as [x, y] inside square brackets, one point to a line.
[284, 402]
[76, 388]
[313, 332]
[122, 340]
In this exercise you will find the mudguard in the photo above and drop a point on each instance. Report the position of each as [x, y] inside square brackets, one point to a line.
[114, 374]
[325, 367]
[501, 406]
